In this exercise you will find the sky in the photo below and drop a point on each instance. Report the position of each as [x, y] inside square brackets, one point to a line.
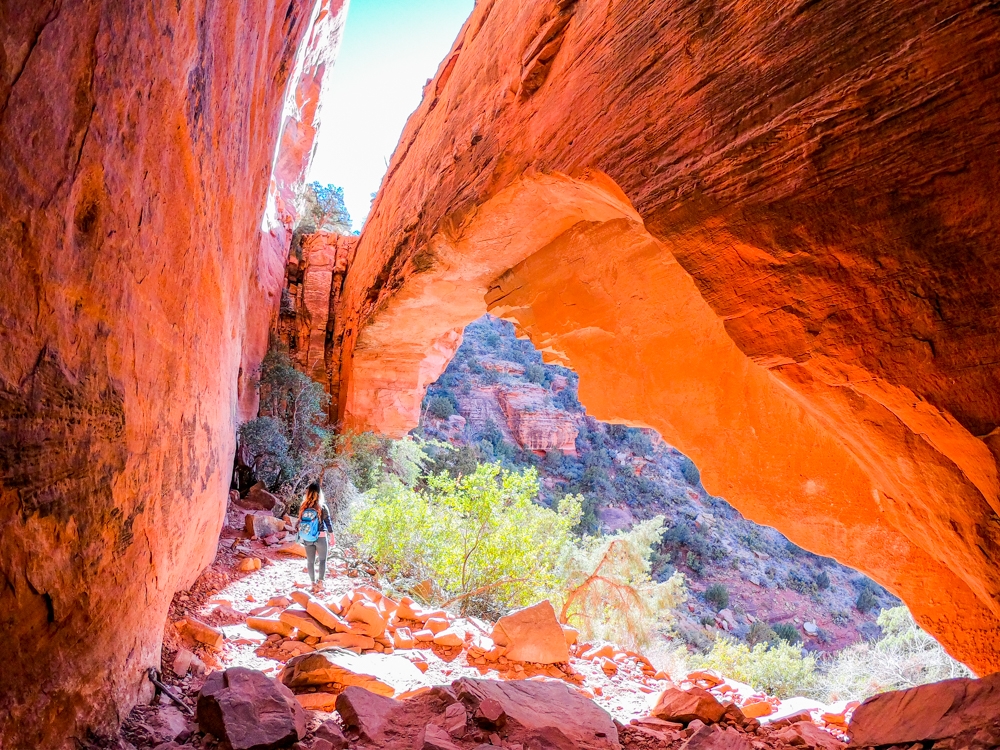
[389, 50]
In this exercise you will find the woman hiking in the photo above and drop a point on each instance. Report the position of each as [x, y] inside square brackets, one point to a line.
[314, 526]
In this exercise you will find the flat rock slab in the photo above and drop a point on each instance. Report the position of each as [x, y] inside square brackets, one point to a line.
[927, 712]
[548, 714]
[383, 674]
[532, 634]
[248, 710]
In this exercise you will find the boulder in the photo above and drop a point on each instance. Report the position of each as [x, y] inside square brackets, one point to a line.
[532, 634]
[435, 738]
[549, 714]
[330, 732]
[436, 624]
[383, 674]
[324, 615]
[303, 622]
[349, 640]
[449, 637]
[926, 712]
[270, 626]
[805, 734]
[248, 710]
[402, 638]
[293, 548]
[317, 701]
[368, 619]
[716, 738]
[201, 632]
[685, 706]
[258, 498]
[182, 662]
[262, 525]
[367, 713]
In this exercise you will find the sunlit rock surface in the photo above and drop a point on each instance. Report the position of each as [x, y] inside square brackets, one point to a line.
[766, 230]
[136, 148]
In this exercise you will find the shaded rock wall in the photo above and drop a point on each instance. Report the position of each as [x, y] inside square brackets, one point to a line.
[136, 148]
[766, 230]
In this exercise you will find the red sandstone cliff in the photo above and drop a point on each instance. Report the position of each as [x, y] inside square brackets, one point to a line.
[773, 223]
[136, 149]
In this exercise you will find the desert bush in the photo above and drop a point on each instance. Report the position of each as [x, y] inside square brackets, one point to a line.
[290, 443]
[535, 373]
[761, 632]
[787, 632]
[480, 537]
[441, 407]
[609, 591]
[823, 580]
[779, 670]
[717, 595]
[321, 207]
[689, 471]
[866, 601]
[905, 656]
[801, 582]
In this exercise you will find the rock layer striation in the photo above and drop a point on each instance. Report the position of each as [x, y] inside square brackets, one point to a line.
[766, 231]
[136, 150]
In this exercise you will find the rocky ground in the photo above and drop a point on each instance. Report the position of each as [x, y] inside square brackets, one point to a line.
[510, 406]
[258, 662]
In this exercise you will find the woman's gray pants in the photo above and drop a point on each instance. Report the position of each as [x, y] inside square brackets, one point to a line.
[312, 548]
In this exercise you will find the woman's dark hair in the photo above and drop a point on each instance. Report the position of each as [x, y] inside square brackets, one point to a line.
[314, 496]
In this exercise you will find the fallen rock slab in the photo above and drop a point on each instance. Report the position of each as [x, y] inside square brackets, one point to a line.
[716, 738]
[927, 712]
[262, 525]
[532, 634]
[805, 734]
[382, 674]
[546, 714]
[685, 706]
[367, 713]
[247, 710]
[201, 632]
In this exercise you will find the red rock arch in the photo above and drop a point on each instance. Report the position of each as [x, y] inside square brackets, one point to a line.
[764, 231]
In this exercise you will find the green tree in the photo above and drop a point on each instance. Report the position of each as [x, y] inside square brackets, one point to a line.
[609, 591]
[322, 208]
[480, 537]
[290, 442]
[779, 670]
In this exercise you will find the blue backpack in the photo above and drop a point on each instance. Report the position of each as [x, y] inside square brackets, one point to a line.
[309, 525]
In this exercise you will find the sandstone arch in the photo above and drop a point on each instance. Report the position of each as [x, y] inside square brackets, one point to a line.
[809, 182]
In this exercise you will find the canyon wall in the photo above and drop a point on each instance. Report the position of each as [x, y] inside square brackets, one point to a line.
[136, 152]
[766, 230]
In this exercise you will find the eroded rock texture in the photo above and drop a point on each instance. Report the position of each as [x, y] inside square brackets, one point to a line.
[136, 148]
[765, 229]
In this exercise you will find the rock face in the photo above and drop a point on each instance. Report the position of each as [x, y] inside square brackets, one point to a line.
[773, 223]
[137, 145]
[936, 711]
[534, 426]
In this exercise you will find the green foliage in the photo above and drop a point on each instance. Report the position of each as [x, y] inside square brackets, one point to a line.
[321, 207]
[801, 582]
[761, 632]
[480, 537]
[717, 595]
[779, 670]
[535, 373]
[610, 594]
[904, 657]
[866, 601]
[290, 443]
[823, 581]
[441, 407]
[690, 472]
[787, 632]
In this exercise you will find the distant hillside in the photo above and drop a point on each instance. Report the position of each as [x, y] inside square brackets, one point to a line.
[497, 401]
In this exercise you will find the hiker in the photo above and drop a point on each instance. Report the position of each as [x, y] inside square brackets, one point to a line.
[314, 526]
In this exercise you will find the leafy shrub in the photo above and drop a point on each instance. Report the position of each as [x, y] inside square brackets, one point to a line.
[761, 632]
[798, 581]
[823, 581]
[779, 670]
[610, 594]
[535, 373]
[717, 595]
[321, 207]
[689, 471]
[905, 656]
[289, 442]
[787, 632]
[441, 407]
[866, 601]
[480, 537]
